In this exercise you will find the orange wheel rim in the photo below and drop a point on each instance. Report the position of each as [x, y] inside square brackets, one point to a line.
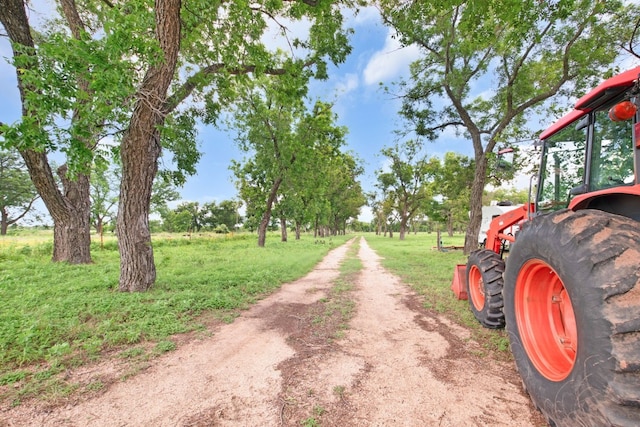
[546, 320]
[476, 288]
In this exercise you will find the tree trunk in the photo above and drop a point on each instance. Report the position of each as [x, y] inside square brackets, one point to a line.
[100, 230]
[475, 203]
[72, 227]
[70, 210]
[139, 152]
[450, 224]
[4, 222]
[283, 228]
[298, 230]
[403, 224]
[266, 217]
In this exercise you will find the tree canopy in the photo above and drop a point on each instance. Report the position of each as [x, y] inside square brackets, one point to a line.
[17, 193]
[407, 185]
[124, 69]
[294, 160]
[485, 66]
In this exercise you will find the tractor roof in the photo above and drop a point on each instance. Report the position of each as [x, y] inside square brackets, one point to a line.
[598, 96]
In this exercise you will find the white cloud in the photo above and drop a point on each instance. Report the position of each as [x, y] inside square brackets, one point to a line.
[348, 83]
[365, 16]
[366, 214]
[390, 61]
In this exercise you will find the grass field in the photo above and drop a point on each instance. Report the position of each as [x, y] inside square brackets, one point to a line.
[55, 316]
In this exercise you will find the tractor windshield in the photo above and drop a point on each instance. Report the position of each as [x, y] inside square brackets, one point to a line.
[612, 153]
[562, 168]
[609, 156]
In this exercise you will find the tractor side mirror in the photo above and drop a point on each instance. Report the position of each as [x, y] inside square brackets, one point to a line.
[505, 159]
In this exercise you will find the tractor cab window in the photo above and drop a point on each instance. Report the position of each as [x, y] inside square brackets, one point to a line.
[612, 153]
[562, 168]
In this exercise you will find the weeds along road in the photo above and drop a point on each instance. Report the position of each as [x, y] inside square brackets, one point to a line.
[330, 349]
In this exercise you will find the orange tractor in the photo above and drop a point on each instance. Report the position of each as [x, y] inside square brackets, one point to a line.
[569, 289]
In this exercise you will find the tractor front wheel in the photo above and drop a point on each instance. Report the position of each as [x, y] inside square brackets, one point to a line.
[572, 313]
[484, 287]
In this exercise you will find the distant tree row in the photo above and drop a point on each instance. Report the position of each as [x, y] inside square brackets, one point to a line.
[294, 169]
[416, 191]
[193, 217]
[334, 207]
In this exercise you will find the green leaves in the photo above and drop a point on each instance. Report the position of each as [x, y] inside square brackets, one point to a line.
[524, 52]
[296, 152]
[16, 190]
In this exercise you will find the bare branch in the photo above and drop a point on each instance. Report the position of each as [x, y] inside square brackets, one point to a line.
[26, 211]
[630, 49]
[200, 79]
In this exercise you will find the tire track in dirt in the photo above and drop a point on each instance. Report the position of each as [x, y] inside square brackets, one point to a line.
[424, 368]
[400, 365]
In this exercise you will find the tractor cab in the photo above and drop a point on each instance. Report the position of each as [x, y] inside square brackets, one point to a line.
[590, 157]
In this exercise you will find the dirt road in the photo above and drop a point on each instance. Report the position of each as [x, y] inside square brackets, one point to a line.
[394, 365]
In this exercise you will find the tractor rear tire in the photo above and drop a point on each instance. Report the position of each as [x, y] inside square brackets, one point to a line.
[484, 287]
[572, 308]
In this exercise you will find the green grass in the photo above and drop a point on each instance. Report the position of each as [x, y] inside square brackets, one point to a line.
[340, 303]
[55, 316]
[419, 264]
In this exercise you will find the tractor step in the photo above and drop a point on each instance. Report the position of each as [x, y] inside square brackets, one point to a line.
[459, 282]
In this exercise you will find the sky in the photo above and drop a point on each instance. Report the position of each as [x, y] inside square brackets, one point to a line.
[354, 87]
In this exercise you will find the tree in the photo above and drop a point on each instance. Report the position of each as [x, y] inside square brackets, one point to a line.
[265, 118]
[77, 85]
[194, 212]
[407, 183]
[104, 197]
[376, 209]
[206, 42]
[345, 194]
[226, 213]
[162, 192]
[177, 220]
[453, 179]
[519, 54]
[223, 216]
[323, 188]
[140, 47]
[289, 146]
[69, 207]
[512, 195]
[17, 193]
